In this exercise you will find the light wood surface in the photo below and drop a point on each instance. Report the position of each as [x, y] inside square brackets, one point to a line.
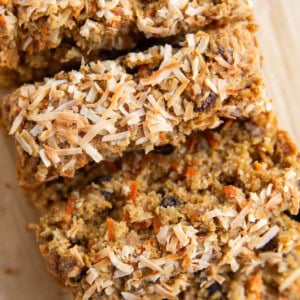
[22, 272]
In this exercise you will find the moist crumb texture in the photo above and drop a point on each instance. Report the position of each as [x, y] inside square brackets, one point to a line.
[205, 220]
[139, 101]
[40, 37]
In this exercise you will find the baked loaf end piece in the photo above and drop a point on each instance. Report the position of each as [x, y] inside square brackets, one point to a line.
[141, 100]
[179, 219]
[40, 37]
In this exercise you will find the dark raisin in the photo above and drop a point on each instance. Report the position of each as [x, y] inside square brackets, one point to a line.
[207, 104]
[298, 184]
[164, 150]
[215, 287]
[104, 178]
[270, 246]
[105, 194]
[226, 54]
[293, 217]
[161, 192]
[170, 201]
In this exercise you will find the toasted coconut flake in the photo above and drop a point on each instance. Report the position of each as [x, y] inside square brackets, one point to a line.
[147, 263]
[164, 292]
[95, 130]
[159, 108]
[160, 75]
[116, 136]
[269, 235]
[68, 151]
[38, 96]
[27, 142]
[91, 96]
[290, 280]
[44, 158]
[183, 239]
[89, 292]
[92, 275]
[130, 296]
[118, 263]
[17, 122]
[211, 85]
[92, 152]
[88, 113]
[240, 218]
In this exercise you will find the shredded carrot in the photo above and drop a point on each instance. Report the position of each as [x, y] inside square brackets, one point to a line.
[156, 224]
[118, 12]
[254, 286]
[173, 166]
[68, 209]
[44, 30]
[191, 143]
[2, 21]
[147, 244]
[162, 136]
[133, 190]
[190, 172]
[211, 139]
[257, 166]
[228, 123]
[110, 223]
[229, 191]
[262, 155]
[195, 215]
[30, 48]
[186, 262]
[126, 217]
[91, 243]
[93, 7]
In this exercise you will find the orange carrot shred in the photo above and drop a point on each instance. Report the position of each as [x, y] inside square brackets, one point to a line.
[110, 223]
[228, 124]
[133, 189]
[190, 172]
[2, 20]
[162, 136]
[91, 243]
[68, 209]
[211, 139]
[191, 143]
[156, 224]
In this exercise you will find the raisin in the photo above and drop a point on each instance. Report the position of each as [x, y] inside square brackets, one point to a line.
[215, 287]
[105, 194]
[293, 217]
[226, 54]
[270, 246]
[104, 178]
[207, 104]
[164, 150]
[172, 201]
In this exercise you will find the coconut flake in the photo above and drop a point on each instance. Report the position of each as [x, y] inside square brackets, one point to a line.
[289, 280]
[117, 262]
[179, 232]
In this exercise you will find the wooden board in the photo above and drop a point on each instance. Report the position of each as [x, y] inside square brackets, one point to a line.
[22, 272]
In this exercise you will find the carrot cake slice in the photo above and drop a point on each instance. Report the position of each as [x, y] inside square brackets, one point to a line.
[205, 218]
[40, 37]
[139, 101]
